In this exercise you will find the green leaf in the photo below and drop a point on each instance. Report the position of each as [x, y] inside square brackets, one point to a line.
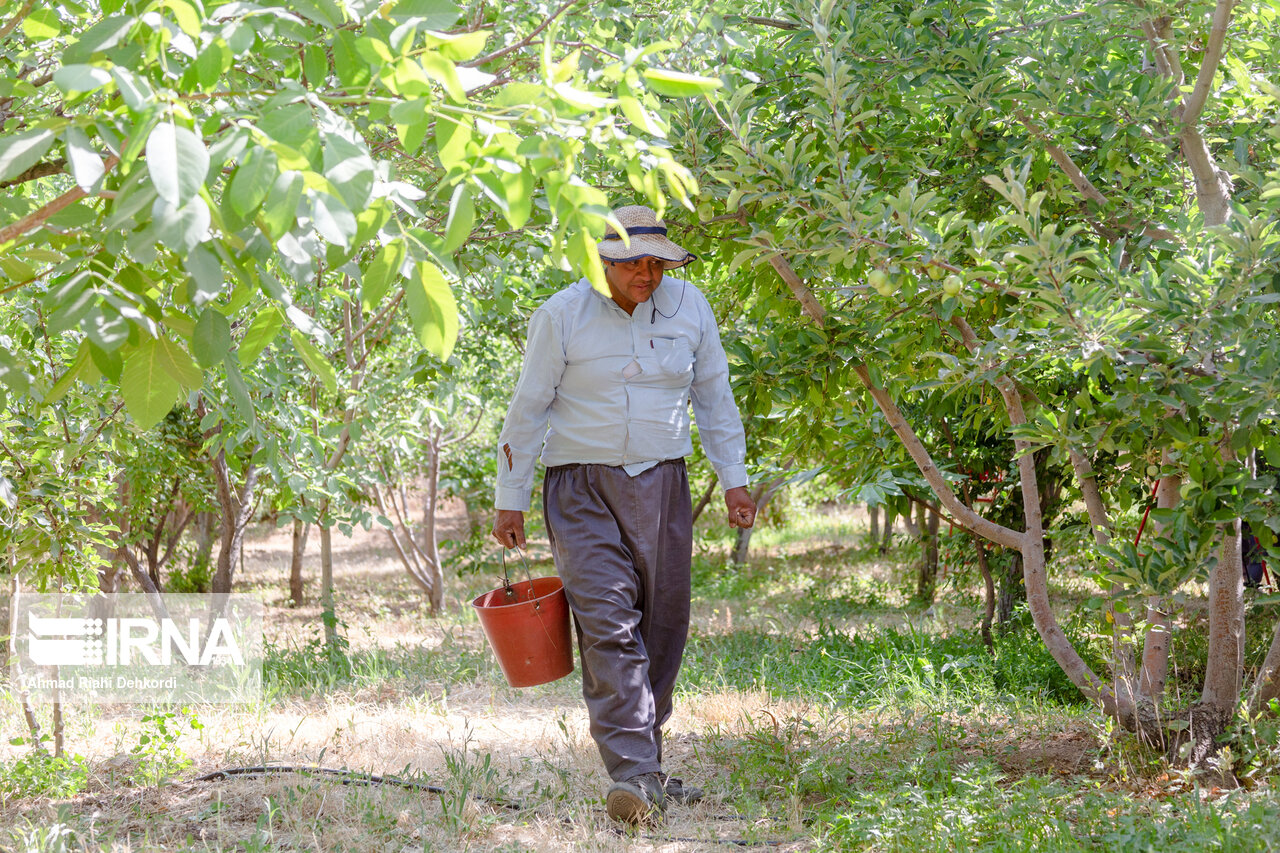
[293, 125]
[432, 309]
[206, 276]
[86, 165]
[462, 216]
[240, 392]
[585, 256]
[83, 364]
[350, 169]
[452, 136]
[442, 71]
[181, 228]
[186, 15]
[351, 68]
[177, 162]
[383, 269]
[315, 66]
[212, 339]
[315, 361]
[435, 14]
[459, 47]
[178, 363]
[149, 390]
[413, 118]
[21, 151]
[252, 181]
[261, 332]
[79, 79]
[102, 36]
[677, 84]
[134, 89]
[332, 219]
[41, 25]
[281, 208]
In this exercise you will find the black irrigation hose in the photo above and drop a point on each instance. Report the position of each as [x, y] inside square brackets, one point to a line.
[346, 777]
[356, 777]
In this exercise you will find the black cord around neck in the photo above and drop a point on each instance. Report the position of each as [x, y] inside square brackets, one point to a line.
[653, 314]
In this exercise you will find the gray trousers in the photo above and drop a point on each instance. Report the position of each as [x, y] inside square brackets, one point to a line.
[623, 547]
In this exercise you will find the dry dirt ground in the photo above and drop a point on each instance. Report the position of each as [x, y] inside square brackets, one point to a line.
[525, 748]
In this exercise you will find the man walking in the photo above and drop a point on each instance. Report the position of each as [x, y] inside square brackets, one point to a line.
[604, 393]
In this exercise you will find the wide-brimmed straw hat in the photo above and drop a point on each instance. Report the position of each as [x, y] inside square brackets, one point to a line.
[648, 237]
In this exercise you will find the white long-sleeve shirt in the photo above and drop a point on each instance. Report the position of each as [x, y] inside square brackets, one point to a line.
[601, 386]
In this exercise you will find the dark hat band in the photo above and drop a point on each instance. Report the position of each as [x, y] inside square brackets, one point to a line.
[631, 232]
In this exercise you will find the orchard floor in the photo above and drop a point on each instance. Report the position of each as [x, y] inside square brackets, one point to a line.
[818, 708]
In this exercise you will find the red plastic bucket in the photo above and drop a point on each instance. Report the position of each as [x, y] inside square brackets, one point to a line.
[529, 632]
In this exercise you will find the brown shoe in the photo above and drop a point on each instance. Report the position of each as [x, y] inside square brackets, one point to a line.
[637, 800]
[678, 792]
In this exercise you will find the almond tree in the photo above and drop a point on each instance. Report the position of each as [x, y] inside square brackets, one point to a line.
[1064, 214]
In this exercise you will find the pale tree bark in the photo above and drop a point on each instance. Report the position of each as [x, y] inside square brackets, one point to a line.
[886, 538]
[24, 699]
[328, 612]
[988, 592]
[1213, 185]
[1267, 685]
[1123, 663]
[298, 542]
[873, 513]
[406, 547]
[762, 494]
[707, 494]
[145, 583]
[236, 505]
[430, 544]
[1225, 658]
[1156, 643]
[927, 580]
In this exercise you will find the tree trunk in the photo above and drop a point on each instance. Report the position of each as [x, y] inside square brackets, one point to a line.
[237, 507]
[761, 494]
[327, 613]
[1225, 658]
[707, 494]
[301, 531]
[927, 580]
[913, 529]
[1155, 645]
[145, 583]
[873, 513]
[430, 546]
[24, 699]
[988, 593]
[887, 538]
[206, 531]
[1012, 592]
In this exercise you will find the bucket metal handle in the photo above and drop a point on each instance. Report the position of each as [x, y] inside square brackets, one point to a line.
[511, 595]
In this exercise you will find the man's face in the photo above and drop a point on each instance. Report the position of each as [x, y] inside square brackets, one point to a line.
[633, 282]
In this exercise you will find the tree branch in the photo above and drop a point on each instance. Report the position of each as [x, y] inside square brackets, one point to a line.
[1194, 102]
[808, 302]
[1039, 24]
[37, 218]
[9, 25]
[524, 42]
[39, 170]
[1086, 187]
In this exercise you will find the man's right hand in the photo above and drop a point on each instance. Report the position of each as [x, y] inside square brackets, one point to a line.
[508, 528]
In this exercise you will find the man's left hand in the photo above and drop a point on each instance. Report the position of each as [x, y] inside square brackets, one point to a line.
[742, 510]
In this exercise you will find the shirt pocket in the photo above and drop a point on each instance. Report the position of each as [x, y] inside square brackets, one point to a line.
[674, 358]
